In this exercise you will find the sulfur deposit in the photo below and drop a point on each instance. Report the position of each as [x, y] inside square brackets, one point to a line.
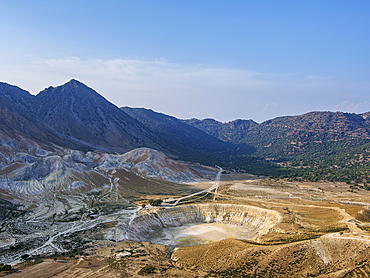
[253, 221]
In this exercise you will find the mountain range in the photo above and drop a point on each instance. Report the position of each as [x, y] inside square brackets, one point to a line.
[74, 116]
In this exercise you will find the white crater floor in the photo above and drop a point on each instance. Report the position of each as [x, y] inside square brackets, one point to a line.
[202, 233]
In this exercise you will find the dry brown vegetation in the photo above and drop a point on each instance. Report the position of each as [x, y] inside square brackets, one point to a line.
[125, 259]
[131, 185]
[324, 232]
[235, 258]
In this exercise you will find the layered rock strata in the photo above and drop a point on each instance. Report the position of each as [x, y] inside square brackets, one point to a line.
[256, 221]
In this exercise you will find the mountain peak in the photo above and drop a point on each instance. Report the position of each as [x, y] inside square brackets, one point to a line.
[70, 90]
[76, 110]
[75, 83]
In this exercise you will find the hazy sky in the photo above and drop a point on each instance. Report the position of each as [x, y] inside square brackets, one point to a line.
[220, 59]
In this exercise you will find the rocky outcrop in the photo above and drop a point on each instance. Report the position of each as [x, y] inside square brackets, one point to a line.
[149, 163]
[256, 221]
[79, 171]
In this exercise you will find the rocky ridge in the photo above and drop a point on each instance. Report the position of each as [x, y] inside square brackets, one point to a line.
[81, 172]
[77, 111]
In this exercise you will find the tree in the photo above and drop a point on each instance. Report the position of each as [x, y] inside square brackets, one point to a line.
[153, 202]
[5, 267]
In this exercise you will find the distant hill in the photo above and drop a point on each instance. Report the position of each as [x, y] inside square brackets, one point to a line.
[313, 126]
[282, 137]
[234, 131]
[188, 142]
[180, 132]
[317, 144]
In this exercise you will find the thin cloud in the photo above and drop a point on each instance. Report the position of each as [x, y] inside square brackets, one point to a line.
[348, 106]
[268, 107]
[194, 90]
[319, 78]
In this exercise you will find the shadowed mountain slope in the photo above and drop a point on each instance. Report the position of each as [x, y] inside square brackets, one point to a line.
[234, 131]
[77, 111]
[20, 131]
[184, 137]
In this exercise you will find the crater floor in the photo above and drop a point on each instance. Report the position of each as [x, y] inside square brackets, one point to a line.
[202, 223]
[200, 233]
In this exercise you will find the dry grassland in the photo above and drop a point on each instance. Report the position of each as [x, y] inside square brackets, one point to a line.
[324, 232]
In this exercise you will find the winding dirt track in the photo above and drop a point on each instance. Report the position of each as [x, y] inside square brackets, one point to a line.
[214, 186]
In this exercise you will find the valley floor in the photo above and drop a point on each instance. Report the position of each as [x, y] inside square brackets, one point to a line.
[324, 231]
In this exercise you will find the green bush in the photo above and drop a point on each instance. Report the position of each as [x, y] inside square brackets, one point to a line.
[5, 267]
[148, 269]
[155, 202]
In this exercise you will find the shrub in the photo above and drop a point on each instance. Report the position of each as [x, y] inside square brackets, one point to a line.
[155, 202]
[148, 269]
[5, 267]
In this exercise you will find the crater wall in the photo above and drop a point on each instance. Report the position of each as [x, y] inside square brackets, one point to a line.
[256, 221]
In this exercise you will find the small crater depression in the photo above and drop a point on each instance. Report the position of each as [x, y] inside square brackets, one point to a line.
[199, 224]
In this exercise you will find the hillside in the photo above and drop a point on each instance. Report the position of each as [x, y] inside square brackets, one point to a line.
[234, 131]
[77, 117]
[22, 132]
[189, 142]
[319, 145]
[77, 111]
[294, 130]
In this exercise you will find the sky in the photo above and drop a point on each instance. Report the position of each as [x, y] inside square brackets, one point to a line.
[195, 59]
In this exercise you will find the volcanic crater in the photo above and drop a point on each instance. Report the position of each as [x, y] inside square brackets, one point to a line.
[201, 223]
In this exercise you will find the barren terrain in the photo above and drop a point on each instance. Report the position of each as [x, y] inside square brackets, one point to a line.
[323, 232]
